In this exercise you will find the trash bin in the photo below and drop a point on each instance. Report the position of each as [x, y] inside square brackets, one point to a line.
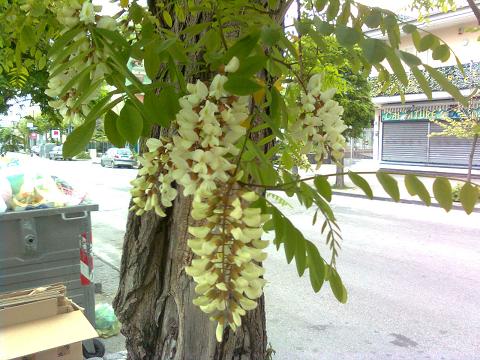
[46, 246]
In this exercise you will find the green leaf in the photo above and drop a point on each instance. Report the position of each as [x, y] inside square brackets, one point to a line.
[323, 187]
[361, 183]
[130, 123]
[442, 190]
[441, 52]
[251, 65]
[397, 66]
[320, 4]
[238, 85]
[332, 10]
[374, 50]
[76, 79]
[389, 184]
[302, 27]
[422, 81]
[162, 108]
[65, 38]
[78, 139]
[289, 239]
[337, 286]
[427, 42]
[446, 84]
[271, 35]
[243, 47]
[374, 18]
[468, 197]
[410, 60]
[316, 266]
[300, 255]
[391, 25]
[278, 109]
[110, 125]
[409, 28]
[415, 187]
[152, 62]
[323, 27]
[167, 18]
[416, 38]
[347, 36]
[136, 13]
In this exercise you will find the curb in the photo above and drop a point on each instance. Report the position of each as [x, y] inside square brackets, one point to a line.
[403, 201]
[106, 262]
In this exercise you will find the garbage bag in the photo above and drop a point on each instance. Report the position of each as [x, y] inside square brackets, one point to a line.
[106, 323]
[25, 187]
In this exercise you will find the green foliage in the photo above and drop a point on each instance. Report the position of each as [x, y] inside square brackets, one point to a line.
[83, 156]
[415, 187]
[442, 190]
[273, 69]
[468, 196]
[10, 141]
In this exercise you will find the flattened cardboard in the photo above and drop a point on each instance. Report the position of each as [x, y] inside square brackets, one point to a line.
[66, 352]
[44, 334]
[27, 312]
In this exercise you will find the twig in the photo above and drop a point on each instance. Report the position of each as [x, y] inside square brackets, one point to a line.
[280, 186]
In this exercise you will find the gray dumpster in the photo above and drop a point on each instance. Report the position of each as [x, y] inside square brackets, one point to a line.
[41, 247]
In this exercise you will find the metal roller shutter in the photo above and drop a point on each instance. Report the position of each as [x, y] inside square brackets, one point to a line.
[405, 141]
[450, 150]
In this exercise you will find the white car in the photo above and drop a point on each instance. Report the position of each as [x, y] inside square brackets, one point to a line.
[115, 157]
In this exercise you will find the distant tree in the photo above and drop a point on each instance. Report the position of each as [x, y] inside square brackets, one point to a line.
[10, 141]
[467, 127]
[326, 55]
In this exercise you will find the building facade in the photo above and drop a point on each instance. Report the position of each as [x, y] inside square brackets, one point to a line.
[402, 130]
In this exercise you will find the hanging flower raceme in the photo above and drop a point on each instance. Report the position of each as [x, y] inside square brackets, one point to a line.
[209, 125]
[85, 59]
[320, 125]
[229, 250]
[201, 157]
[152, 189]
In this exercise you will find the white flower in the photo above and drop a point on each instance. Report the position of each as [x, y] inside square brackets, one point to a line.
[107, 22]
[314, 85]
[87, 14]
[232, 65]
[216, 87]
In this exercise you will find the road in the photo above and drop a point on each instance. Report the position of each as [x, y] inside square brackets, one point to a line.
[412, 274]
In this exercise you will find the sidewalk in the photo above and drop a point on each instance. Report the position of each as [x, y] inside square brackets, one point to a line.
[377, 189]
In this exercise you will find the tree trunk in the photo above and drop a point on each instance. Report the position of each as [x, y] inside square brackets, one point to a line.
[340, 179]
[154, 298]
[470, 158]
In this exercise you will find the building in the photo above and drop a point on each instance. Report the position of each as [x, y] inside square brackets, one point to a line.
[401, 130]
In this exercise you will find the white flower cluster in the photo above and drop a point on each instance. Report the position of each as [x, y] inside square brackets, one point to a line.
[71, 104]
[152, 189]
[320, 125]
[200, 157]
[228, 246]
[209, 125]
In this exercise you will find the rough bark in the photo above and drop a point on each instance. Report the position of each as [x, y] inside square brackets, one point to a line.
[340, 178]
[470, 157]
[154, 299]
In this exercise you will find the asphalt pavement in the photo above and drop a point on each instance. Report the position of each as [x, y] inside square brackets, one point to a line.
[412, 275]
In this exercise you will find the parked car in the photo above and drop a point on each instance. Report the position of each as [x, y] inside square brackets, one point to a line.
[35, 149]
[45, 149]
[56, 153]
[118, 157]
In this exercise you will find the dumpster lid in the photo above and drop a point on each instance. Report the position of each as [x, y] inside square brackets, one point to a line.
[28, 214]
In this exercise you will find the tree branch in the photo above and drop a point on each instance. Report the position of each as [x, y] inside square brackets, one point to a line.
[475, 9]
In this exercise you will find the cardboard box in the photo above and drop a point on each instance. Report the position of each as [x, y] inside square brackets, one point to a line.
[42, 324]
